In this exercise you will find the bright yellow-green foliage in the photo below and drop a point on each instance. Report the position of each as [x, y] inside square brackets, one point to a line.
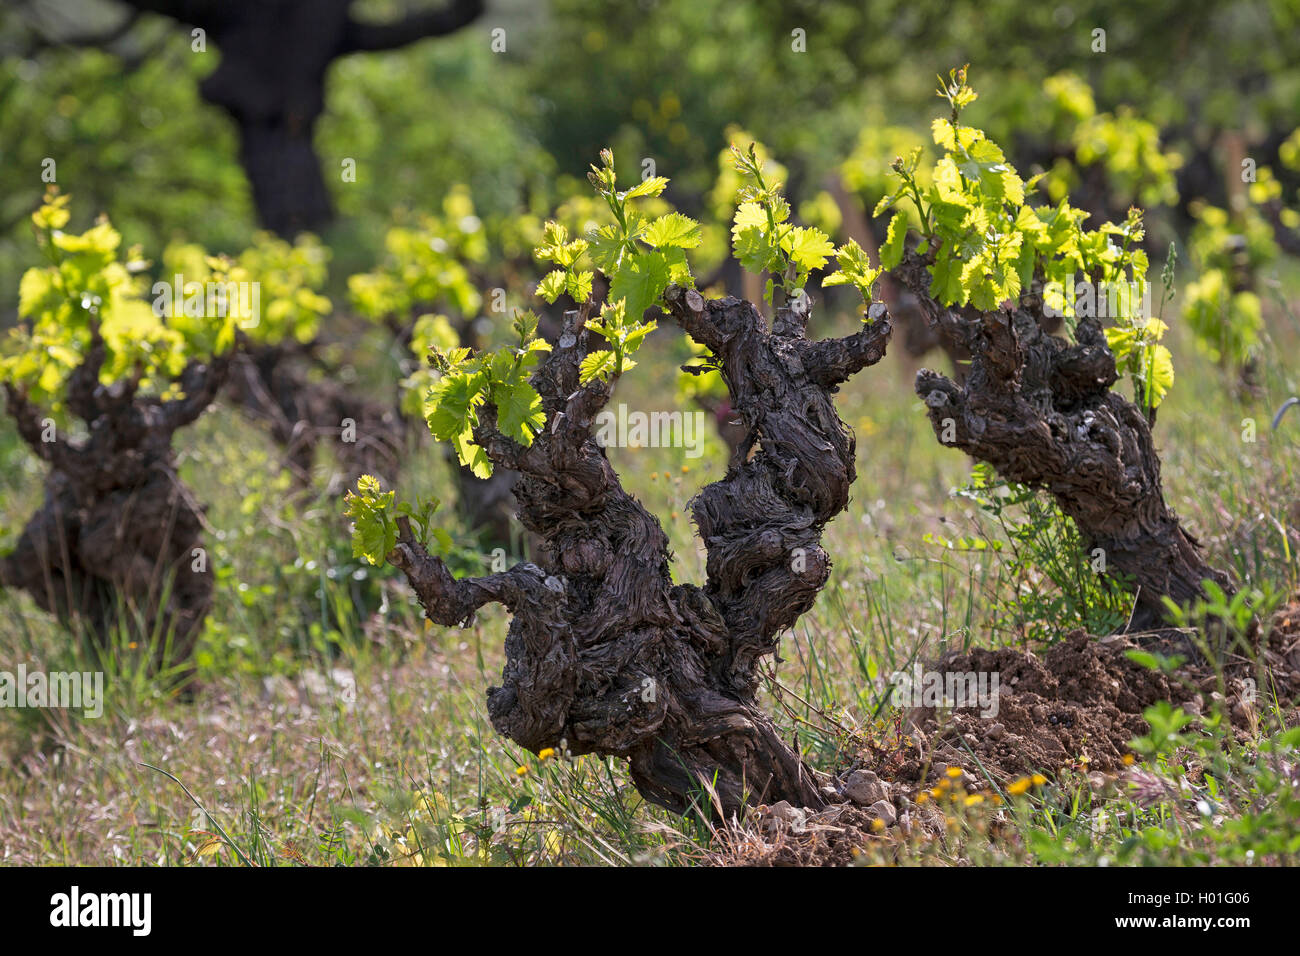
[1125, 145]
[640, 255]
[86, 285]
[1289, 151]
[624, 338]
[764, 240]
[580, 212]
[467, 381]
[989, 244]
[1222, 241]
[1266, 190]
[1071, 100]
[762, 237]
[855, 270]
[428, 264]
[1227, 323]
[1129, 148]
[1221, 308]
[430, 331]
[374, 514]
[722, 199]
[288, 278]
[820, 209]
[374, 533]
[1134, 339]
[868, 170]
[567, 279]
[732, 178]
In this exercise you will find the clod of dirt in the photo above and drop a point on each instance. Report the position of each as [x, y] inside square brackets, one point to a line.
[1076, 704]
[1080, 702]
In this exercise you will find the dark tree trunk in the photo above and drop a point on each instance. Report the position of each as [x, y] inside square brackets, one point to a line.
[1041, 412]
[289, 191]
[604, 653]
[271, 80]
[119, 537]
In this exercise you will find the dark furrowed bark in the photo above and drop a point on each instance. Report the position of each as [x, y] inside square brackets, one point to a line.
[604, 653]
[115, 538]
[1041, 411]
[761, 524]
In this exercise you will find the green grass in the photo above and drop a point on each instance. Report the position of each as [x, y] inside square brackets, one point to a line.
[334, 727]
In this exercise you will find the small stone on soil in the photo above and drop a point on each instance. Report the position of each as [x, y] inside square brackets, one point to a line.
[884, 810]
[864, 788]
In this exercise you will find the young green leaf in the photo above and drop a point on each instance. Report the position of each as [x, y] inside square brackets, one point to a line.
[673, 229]
[891, 251]
[599, 364]
[374, 533]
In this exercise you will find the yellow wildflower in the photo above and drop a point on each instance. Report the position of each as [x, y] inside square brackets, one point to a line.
[1018, 786]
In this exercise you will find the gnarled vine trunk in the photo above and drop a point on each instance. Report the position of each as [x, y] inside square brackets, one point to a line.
[605, 654]
[1041, 412]
[117, 537]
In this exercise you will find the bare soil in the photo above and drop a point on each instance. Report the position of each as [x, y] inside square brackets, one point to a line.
[1073, 706]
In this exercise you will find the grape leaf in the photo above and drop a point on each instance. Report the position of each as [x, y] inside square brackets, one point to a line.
[519, 408]
[673, 229]
[808, 248]
[599, 364]
[640, 281]
[552, 286]
[891, 251]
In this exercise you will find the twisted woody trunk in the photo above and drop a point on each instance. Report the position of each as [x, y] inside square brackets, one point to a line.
[1040, 411]
[604, 653]
[115, 539]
